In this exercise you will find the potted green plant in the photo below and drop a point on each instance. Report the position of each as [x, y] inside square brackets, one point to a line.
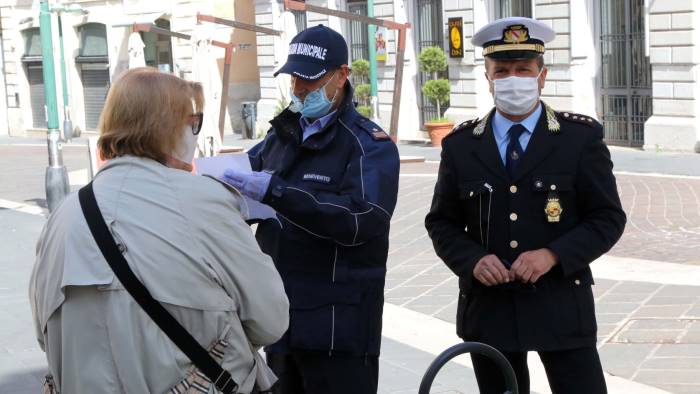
[360, 71]
[432, 60]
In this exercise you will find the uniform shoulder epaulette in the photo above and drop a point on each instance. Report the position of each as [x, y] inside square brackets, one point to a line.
[371, 128]
[466, 125]
[578, 118]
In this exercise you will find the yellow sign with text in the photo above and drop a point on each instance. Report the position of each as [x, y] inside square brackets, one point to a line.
[456, 37]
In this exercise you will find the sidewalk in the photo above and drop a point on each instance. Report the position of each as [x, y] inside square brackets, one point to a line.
[648, 311]
[625, 159]
[411, 339]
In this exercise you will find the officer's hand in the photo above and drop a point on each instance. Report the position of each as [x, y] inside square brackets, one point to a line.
[490, 271]
[530, 266]
[252, 184]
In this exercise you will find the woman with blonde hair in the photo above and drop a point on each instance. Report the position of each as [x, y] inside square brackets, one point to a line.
[183, 238]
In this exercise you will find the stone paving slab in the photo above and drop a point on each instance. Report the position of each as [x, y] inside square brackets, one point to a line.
[664, 219]
[663, 224]
[24, 168]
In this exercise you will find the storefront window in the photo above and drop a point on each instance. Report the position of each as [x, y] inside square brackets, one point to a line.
[506, 8]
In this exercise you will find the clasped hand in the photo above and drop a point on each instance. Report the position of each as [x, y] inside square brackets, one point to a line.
[527, 268]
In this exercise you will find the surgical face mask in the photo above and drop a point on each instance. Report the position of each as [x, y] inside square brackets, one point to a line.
[516, 95]
[315, 105]
[187, 146]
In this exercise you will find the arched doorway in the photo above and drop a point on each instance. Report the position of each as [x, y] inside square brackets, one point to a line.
[158, 48]
[34, 70]
[93, 60]
[625, 72]
[429, 32]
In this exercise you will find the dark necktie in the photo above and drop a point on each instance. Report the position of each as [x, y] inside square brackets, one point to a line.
[514, 152]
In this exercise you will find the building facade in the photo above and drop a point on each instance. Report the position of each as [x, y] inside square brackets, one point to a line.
[632, 64]
[96, 45]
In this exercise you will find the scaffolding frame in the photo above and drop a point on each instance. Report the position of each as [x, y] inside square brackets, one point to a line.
[227, 46]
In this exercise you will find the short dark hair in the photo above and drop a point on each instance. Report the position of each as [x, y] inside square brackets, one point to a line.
[540, 62]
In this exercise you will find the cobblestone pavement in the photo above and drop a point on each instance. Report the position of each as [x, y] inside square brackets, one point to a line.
[22, 178]
[648, 332]
[663, 218]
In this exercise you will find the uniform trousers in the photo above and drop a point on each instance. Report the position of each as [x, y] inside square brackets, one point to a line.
[574, 371]
[324, 373]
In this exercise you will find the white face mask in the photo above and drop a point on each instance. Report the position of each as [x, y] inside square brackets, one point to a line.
[187, 146]
[516, 95]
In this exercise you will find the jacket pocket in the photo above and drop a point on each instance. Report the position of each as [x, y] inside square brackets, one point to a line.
[326, 320]
[586, 305]
[573, 305]
[552, 183]
[474, 194]
[471, 190]
[462, 304]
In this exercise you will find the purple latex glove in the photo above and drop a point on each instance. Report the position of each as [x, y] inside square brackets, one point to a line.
[252, 184]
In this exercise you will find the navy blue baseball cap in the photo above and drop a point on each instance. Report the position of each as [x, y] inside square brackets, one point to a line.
[314, 52]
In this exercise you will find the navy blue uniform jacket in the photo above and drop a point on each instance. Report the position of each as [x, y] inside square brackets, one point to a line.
[334, 195]
[478, 209]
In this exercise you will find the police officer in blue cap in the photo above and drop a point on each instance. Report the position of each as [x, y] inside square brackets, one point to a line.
[525, 200]
[332, 176]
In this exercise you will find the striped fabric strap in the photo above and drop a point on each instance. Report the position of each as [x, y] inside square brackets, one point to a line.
[196, 381]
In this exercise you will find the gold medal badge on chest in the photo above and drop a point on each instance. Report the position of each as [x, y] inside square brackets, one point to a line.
[553, 209]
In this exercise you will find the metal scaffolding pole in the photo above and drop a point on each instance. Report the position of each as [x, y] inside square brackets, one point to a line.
[228, 47]
[229, 55]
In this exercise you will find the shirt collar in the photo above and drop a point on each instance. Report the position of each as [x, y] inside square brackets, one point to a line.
[501, 124]
[319, 123]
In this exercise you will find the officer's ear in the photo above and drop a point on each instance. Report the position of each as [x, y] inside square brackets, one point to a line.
[343, 74]
[543, 77]
[487, 63]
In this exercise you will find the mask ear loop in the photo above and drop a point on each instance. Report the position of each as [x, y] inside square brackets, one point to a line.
[336, 90]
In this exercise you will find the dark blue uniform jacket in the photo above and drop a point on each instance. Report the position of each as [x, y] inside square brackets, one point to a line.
[334, 195]
[478, 209]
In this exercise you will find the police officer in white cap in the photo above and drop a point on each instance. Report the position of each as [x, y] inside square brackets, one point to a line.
[525, 200]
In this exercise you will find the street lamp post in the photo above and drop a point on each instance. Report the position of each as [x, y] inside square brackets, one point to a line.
[56, 174]
[67, 123]
[59, 9]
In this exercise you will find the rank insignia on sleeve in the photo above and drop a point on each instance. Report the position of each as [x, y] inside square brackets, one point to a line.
[380, 135]
[552, 121]
[481, 127]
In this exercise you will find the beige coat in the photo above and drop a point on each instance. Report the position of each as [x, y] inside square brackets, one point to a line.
[187, 243]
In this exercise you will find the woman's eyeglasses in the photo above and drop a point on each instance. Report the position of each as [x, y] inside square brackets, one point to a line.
[197, 121]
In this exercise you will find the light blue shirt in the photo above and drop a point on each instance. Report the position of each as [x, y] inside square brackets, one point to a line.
[317, 125]
[501, 125]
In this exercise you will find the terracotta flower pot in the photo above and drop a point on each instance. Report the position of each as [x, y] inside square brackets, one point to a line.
[438, 130]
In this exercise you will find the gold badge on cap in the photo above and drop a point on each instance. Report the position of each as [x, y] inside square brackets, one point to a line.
[515, 34]
[553, 209]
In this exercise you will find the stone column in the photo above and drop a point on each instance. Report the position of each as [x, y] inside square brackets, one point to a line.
[409, 127]
[465, 72]
[674, 58]
[271, 56]
[558, 91]
[583, 56]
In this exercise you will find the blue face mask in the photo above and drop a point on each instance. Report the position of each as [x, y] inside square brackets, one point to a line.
[315, 105]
